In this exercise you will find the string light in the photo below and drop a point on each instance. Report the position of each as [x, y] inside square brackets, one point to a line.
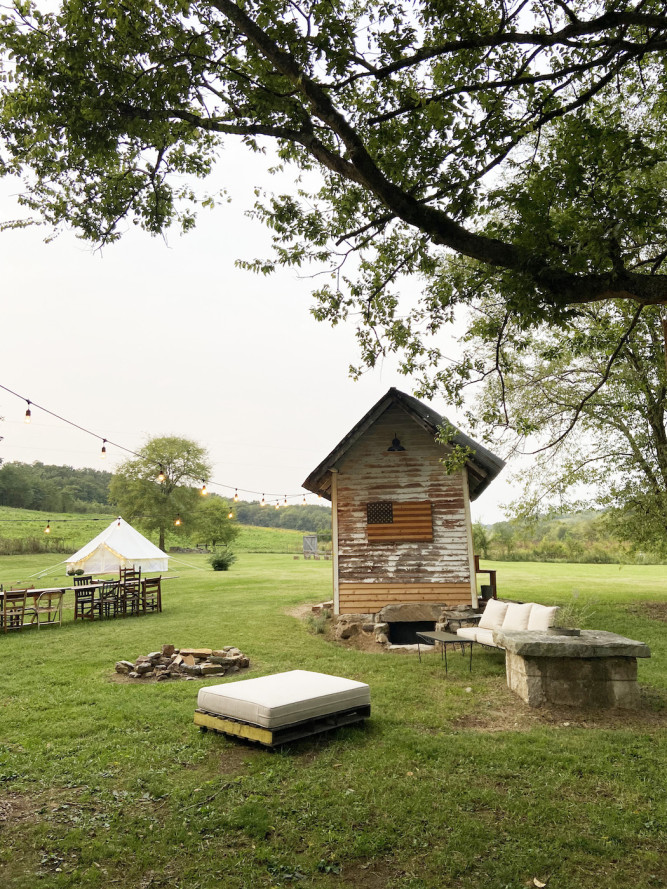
[303, 502]
[177, 521]
[161, 475]
[203, 491]
[277, 505]
[47, 530]
[285, 503]
[230, 515]
[118, 521]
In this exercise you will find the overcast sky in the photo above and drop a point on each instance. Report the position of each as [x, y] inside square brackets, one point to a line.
[154, 337]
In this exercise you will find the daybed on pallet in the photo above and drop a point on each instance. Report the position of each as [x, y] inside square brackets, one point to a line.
[273, 710]
[509, 616]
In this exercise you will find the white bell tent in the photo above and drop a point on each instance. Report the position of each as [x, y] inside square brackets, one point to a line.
[118, 546]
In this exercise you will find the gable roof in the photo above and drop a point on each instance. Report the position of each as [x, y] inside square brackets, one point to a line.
[482, 465]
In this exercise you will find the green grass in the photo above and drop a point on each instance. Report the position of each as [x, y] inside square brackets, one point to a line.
[453, 782]
[71, 531]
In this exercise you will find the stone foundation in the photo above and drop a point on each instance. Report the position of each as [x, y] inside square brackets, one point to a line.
[348, 625]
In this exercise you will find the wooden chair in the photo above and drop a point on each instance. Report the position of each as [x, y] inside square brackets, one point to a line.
[151, 594]
[14, 610]
[109, 598]
[86, 601]
[83, 579]
[49, 608]
[130, 590]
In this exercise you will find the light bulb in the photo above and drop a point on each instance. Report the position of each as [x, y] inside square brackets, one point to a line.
[230, 515]
[47, 530]
[177, 521]
[263, 503]
[28, 415]
[277, 505]
[285, 502]
[236, 495]
[161, 476]
[103, 453]
[303, 502]
[203, 491]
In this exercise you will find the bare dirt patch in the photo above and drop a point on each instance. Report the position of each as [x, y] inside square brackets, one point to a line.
[369, 874]
[507, 713]
[652, 610]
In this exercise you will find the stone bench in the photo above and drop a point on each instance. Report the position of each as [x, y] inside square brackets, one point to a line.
[595, 669]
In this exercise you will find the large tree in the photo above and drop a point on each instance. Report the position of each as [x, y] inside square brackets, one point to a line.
[155, 505]
[599, 426]
[489, 147]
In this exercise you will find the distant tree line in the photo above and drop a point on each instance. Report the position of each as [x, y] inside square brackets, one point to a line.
[316, 519]
[588, 537]
[54, 488]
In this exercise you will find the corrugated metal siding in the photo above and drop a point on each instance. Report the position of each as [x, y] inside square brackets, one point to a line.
[371, 473]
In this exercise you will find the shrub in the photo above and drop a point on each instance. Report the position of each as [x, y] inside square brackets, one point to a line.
[317, 623]
[222, 561]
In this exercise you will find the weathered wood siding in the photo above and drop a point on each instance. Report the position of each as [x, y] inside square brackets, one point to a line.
[372, 574]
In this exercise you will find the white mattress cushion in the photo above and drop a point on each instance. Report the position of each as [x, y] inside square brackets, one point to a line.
[493, 616]
[485, 637]
[542, 617]
[517, 616]
[283, 698]
[469, 633]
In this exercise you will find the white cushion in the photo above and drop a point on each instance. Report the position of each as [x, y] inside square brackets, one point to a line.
[494, 614]
[469, 633]
[485, 637]
[283, 698]
[517, 616]
[542, 617]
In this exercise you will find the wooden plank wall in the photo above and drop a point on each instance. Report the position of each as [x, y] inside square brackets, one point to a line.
[437, 571]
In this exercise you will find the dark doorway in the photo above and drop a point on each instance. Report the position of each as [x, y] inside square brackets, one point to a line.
[405, 632]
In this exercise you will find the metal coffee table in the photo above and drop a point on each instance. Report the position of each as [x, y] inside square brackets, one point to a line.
[444, 639]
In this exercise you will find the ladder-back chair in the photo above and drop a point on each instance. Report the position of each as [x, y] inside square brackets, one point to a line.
[130, 590]
[151, 589]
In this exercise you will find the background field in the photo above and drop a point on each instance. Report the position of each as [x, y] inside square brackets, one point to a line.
[453, 782]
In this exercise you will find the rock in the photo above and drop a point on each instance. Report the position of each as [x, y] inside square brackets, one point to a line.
[381, 629]
[162, 676]
[144, 669]
[218, 652]
[368, 628]
[160, 668]
[124, 666]
[226, 661]
[154, 655]
[134, 675]
[382, 638]
[196, 652]
[143, 659]
[212, 669]
[346, 630]
[191, 669]
[234, 652]
[168, 650]
[188, 660]
[410, 612]
[177, 659]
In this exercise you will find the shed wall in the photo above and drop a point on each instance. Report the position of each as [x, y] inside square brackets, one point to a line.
[372, 575]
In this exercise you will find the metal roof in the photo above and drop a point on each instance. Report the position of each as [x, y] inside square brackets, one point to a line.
[483, 466]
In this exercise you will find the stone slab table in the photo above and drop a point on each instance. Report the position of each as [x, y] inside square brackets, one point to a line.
[594, 670]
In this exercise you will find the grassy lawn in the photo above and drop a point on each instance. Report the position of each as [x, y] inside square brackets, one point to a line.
[453, 782]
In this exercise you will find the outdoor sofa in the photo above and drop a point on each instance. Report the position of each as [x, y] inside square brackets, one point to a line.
[509, 616]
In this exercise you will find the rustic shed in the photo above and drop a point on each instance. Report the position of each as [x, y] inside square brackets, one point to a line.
[401, 528]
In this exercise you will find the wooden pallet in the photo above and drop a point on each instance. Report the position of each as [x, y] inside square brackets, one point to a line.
[274, 737]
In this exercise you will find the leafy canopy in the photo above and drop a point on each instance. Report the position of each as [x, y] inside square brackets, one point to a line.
[154, 505]
[495, 150]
